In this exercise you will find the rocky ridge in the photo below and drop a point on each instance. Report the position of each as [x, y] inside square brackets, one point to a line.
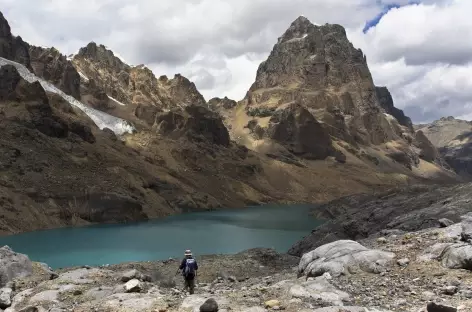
[452, 137]
[134, 86]
[62, 167]
[316, 71]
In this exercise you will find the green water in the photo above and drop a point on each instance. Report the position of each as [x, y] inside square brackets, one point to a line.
[220, 232]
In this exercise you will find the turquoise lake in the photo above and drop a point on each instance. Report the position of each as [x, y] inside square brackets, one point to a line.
[215, 232]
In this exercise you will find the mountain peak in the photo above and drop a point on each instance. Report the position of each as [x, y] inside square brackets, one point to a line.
[100, 53]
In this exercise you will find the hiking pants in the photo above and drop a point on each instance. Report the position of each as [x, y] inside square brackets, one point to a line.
[190, 284]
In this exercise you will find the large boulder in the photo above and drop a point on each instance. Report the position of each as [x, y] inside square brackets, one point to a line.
[13, 265]
[343, 257]
[297, 129]
[195, 122]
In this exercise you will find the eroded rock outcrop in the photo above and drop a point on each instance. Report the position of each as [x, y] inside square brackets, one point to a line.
[317, 67]
[134, 85]
[295, 128]
[54, 67]
[195, 122]
[453, 139]
[386, 102]
[11, 47]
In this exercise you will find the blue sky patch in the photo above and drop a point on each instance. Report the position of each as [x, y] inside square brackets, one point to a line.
[373, 22]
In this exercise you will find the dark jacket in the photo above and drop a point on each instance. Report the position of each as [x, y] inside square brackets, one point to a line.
[184, 263]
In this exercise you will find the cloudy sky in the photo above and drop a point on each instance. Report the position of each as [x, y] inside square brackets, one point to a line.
[421, 50]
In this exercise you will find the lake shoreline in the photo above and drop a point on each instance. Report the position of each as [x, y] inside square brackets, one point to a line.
[206, 233]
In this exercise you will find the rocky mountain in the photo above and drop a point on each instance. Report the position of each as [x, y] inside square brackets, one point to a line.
[88, 138]
[12, 47]
[453, 139]
[133, 86]
[316, 84]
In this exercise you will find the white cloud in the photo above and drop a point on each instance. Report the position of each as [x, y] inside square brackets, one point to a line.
[421, 52]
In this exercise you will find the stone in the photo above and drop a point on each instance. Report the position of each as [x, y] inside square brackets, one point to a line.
[382, 240]
[403, 262]
[466, 234]
[5, 297]
[13, 265]
[131, 274]
[444, 222]
[457, 256]
[133, 302]
[433, 307]
[271, 303]
[47, 269]
[449, 290]
[341, 257]
[133, 285]
[209, 306]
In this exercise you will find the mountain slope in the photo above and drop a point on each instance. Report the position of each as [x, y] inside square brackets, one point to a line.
[130, 146]
[453, 138]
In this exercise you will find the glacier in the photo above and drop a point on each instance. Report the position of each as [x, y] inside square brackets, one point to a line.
[102, 120]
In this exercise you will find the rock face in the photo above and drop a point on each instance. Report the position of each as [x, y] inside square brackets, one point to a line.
[297, 129]
[34, 108]
[317, 67]
[453, 139]
[54, 67]
[428, 151]
[11, 47]
[13, 265]
[343, 257]
[386, 102]
[195, 122]
[406, 209]
[224, 103]
[134, 85]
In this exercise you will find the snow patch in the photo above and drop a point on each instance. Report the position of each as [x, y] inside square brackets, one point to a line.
[83, 76]
[117, 102]
[304, 36]
[102, 120]
[389, 117]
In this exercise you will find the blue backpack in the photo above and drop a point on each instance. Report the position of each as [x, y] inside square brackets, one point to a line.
[189, 267]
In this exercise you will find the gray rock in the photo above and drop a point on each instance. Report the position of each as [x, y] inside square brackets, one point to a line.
[318, 289]
[403, 262]
[131, 274]
[346, 309]
[466, 234]
[433, 307]
[457, 256]
[467, 294]
[445, 222]
[209, 306]
[13, 265]
[5, 297]
[47, 295]
[48, 270]
[449, 290]
[133, 285]
[342, 257]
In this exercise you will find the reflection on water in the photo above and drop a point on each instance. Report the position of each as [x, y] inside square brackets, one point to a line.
[216, 232]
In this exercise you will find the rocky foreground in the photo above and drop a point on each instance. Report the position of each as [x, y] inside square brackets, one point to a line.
[428, 270]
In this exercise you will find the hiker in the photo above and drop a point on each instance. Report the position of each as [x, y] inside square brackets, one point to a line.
[189, 269]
